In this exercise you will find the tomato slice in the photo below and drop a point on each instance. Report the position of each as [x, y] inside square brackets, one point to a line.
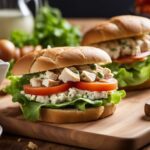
[109, 85]
[132, 59]
[28, 89]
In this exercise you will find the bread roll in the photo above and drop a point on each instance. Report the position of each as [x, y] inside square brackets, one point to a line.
[117, 28]
[59, 57]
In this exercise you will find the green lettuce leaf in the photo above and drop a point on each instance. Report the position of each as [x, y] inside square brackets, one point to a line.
[31, 109]
[14, 87]
[16, 83]
[131, 74]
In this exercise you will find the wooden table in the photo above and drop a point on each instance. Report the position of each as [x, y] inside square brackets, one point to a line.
[13, 142]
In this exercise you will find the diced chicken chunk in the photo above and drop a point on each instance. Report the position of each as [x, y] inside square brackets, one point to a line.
[88, 76]
[111, 48]
[49, 75]
[49, 82]
[107, 73]
[42, 99]
[84, 67]
[146, 45]
[68, 75]
[53, 98]
[36, 82]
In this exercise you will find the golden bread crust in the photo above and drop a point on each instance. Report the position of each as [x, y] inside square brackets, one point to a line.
[74, 115]
[117, 28]
[59, 57]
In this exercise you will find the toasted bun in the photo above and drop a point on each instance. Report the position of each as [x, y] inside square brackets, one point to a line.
[108, 110]
[59, 57]
[24, 64]
[74, 115]
[117, 28]
[144, 85]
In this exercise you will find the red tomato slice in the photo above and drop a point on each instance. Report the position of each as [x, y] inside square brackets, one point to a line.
[111, 84]
[28, 89]
[108, 85]
[132, 59]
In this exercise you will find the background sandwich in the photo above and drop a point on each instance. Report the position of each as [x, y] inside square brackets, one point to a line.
[126, 39]
[64, 85]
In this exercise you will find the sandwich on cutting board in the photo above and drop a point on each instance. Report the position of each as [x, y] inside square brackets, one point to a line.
[127, 40]
[65, 85]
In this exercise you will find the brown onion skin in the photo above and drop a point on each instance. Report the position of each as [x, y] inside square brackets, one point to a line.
[17, 54]
[7, 50]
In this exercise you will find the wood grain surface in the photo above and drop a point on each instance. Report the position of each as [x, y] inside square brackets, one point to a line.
[11, 142]
[126, 129]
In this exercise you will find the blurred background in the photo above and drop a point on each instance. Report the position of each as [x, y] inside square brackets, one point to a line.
[92, 8]
[98, 8]
[35, 23]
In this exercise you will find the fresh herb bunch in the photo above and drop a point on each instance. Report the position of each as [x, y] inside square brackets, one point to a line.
[21, 38]
[49, 29]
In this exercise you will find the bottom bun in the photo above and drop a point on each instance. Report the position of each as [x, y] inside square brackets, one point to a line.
[109, 110]
[74, 115]
[144, 85]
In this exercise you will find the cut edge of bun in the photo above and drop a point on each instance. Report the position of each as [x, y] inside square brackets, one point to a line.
[23, 65]
[60, 116]
[117, 28]
[59, 57]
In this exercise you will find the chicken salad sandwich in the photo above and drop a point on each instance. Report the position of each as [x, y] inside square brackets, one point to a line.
[127, 40]
[65, 85]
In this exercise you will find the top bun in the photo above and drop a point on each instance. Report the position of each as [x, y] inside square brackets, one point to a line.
[59, 57]
[117, 28]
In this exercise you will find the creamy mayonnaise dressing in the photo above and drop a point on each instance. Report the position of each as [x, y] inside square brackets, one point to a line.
[124, 47]
[69, 95]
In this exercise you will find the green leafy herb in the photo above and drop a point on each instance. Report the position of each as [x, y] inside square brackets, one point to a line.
[21, 38]
[100, 75]
[113, 49]
[49, 29]
[93, 66]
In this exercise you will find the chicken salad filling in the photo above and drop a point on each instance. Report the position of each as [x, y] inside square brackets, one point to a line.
[86, 73]
[125, 47]
[69, 95]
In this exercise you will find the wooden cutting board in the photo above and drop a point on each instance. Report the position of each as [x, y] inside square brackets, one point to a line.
[126, 129]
